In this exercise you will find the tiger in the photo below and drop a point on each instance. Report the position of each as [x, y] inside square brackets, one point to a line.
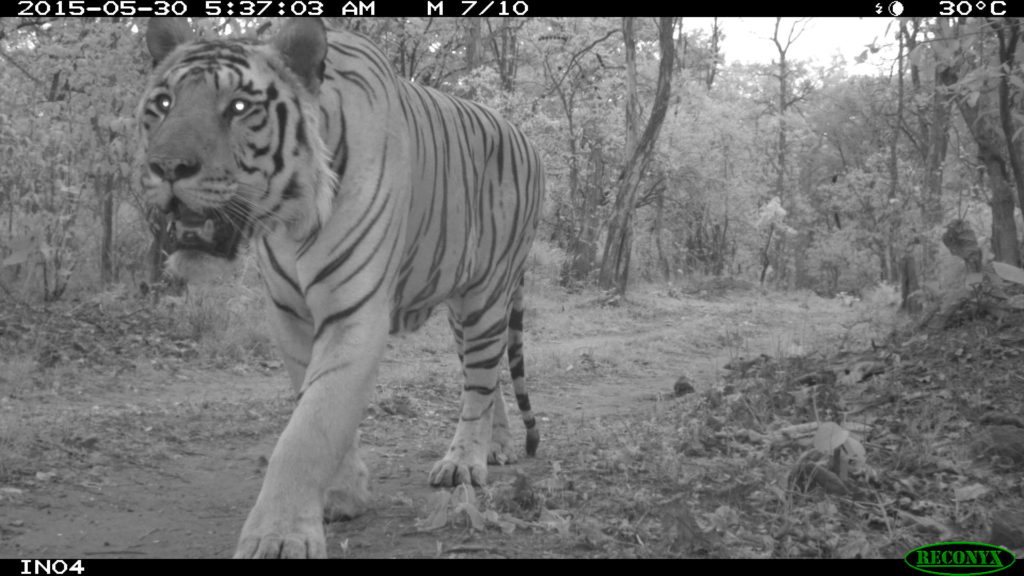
[369, 200]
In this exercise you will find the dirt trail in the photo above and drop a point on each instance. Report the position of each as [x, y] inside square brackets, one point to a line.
[189, 496]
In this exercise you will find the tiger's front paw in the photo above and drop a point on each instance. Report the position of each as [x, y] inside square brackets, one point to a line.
[350, 496]
[501, 451]
[458, 467]
[275, 535]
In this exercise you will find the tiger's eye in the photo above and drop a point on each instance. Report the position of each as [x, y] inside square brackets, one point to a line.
[238, 107]
[163, 102]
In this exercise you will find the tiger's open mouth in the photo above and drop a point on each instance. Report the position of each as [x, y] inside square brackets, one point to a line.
[210, 231]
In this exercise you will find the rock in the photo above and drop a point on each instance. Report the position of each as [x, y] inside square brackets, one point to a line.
[682, 386]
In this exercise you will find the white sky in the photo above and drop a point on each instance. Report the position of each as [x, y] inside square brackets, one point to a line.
[748, 40]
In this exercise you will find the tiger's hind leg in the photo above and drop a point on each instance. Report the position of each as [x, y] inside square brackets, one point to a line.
[485, 333]
[500, 451]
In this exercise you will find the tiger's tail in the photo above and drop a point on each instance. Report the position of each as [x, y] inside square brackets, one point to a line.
[517, 369]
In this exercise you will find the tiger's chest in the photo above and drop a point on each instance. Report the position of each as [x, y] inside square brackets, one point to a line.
[430, 273]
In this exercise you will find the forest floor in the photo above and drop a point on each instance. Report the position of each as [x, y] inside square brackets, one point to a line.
[673, 425]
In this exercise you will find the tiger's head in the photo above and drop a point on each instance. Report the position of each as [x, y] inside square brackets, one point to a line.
[231, 139]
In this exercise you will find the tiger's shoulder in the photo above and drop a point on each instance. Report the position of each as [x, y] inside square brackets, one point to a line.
[348, 51]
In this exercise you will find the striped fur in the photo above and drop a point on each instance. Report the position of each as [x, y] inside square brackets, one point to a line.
[370, 200]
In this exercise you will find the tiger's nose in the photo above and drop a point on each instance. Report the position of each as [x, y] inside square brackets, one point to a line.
[174, 169]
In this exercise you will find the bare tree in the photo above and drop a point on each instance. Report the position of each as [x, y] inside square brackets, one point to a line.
[783, 75]
[980, 109]
[615, 265]
[1008, 33]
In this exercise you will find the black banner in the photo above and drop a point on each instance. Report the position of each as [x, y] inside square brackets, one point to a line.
[134, 567]
[507, 8]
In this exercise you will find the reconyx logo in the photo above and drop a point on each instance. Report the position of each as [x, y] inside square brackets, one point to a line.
[959, 558]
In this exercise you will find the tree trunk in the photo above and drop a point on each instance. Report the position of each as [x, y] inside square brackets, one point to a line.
[934, 121]
[1004, 227]
[1009, 33]
[909, 283]
[107, 242]
[938, 142]
[716, 33]
[782, 46]
[765, 260]
[632, 130]
[505, 45]
[895, 221]
[663, 262]
[474, 53]
[620, 229]
[979, 119]
[585, 224]
[615, 264]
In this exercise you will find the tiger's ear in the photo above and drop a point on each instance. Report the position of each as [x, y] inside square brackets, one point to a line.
[163, 35]
[302, 43]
